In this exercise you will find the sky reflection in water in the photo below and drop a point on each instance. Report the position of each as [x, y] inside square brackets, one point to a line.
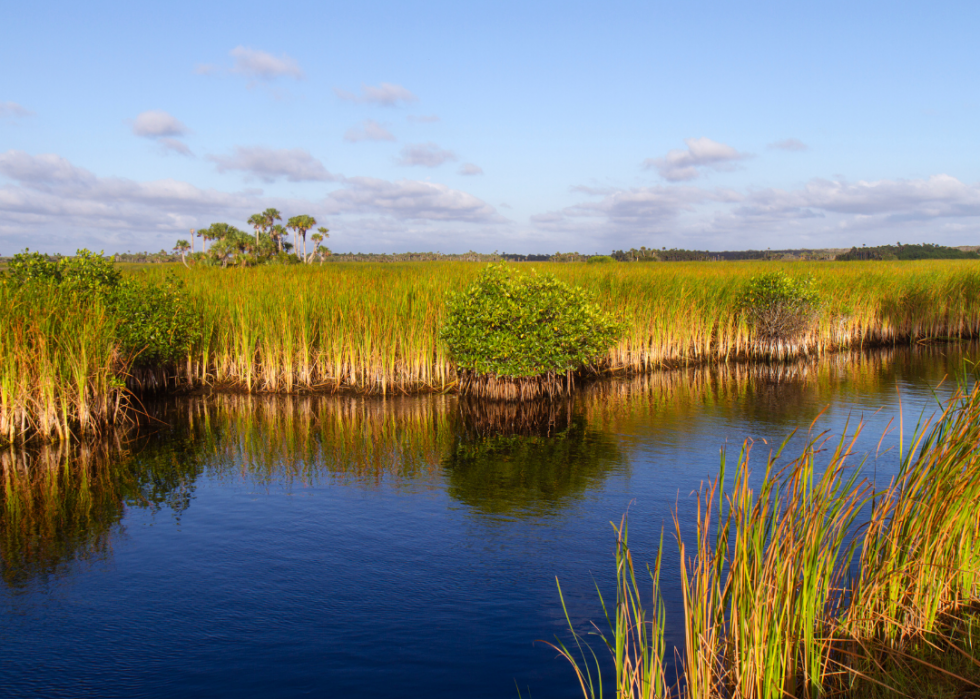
[282, 546]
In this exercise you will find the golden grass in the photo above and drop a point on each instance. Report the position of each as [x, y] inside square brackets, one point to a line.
[373, 328]
[770, 609]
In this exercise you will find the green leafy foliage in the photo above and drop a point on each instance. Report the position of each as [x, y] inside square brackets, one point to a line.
[158, 323]
[86, 271]
[778, 306]
[599, 259]
[513, 325]
[155, 323]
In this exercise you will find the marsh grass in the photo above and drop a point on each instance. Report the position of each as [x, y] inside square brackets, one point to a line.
[373, 328]
[771, 608]
[60, 370]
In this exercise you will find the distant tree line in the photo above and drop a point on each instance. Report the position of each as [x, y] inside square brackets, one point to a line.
[923, 251]
[224, 245]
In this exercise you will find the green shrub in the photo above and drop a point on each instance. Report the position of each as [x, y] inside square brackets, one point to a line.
[778, 306]
[86, 271]
[510, 325]
[155, 322]
[599, 259]
[158, 323]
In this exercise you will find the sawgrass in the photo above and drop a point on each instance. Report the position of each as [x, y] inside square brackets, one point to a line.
[771, 609]
[374, 328]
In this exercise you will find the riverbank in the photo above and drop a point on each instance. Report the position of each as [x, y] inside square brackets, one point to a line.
[373, 328]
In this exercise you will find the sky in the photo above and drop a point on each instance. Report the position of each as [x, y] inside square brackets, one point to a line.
[519, 127]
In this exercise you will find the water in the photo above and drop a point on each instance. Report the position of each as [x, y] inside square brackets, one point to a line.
[340, 546]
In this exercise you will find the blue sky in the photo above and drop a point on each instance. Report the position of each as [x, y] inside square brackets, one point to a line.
[522, 127]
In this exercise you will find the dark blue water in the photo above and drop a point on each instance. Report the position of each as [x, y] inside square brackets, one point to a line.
[245, 547]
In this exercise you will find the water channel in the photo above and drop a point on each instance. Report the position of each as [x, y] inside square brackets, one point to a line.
[238, 546]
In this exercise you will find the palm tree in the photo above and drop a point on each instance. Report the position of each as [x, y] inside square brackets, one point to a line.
[257, 221]
[271, 216]
[317, 238]
[181, 249]
[279, 232]
[301, 224]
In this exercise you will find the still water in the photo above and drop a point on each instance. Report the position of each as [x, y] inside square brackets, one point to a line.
[240, 546]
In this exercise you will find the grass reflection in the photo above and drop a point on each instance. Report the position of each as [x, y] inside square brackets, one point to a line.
[525, 459]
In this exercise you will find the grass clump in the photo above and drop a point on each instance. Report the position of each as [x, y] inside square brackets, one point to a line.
[517, 337]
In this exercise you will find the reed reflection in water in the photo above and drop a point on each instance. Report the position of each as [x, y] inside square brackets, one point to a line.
[63, 503]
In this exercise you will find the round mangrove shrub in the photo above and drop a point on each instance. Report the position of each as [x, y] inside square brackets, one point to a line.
[512, 326]
[779, 307]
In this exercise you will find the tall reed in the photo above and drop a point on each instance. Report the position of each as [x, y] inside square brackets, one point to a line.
[60, 371]
[771, 609]
[374, 327]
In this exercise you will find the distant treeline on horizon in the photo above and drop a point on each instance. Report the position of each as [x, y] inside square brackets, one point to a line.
[899, 251]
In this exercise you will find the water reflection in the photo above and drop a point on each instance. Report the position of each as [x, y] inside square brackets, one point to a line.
[62, 504]
[525, 459]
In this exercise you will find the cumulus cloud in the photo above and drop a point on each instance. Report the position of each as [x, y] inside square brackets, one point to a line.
[156, 123]
[425, 155]
[939, 196]
[75, 208]
[14, 110]
[410, 200]
[369, 130]
[269, 164]
[641, 208]
[48, 193]
[172, 144]
[263, 66]
[385, 94]
[470, 169]
[682, 165]
[790, 144]
[163, 128]
[423, 119]
[823, 213]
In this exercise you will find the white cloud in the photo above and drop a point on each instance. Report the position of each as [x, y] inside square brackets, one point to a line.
[268, 164]
[790, 144]
[425, 155]
[54, 205]
[423, 119]
[940, 196]
[58, 206]
[386, 95]
[823, 213]
[369, 130]
[156, 123]
[681, 165]
[172, 144]
[14, 110]
[163, 128]
[263, 66]
[470, 169]
[410, 200]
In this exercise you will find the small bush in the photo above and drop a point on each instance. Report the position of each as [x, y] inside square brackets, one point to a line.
[524, 328]
[86, 271]
[155, 323]
[779, 307]
[599, 259]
